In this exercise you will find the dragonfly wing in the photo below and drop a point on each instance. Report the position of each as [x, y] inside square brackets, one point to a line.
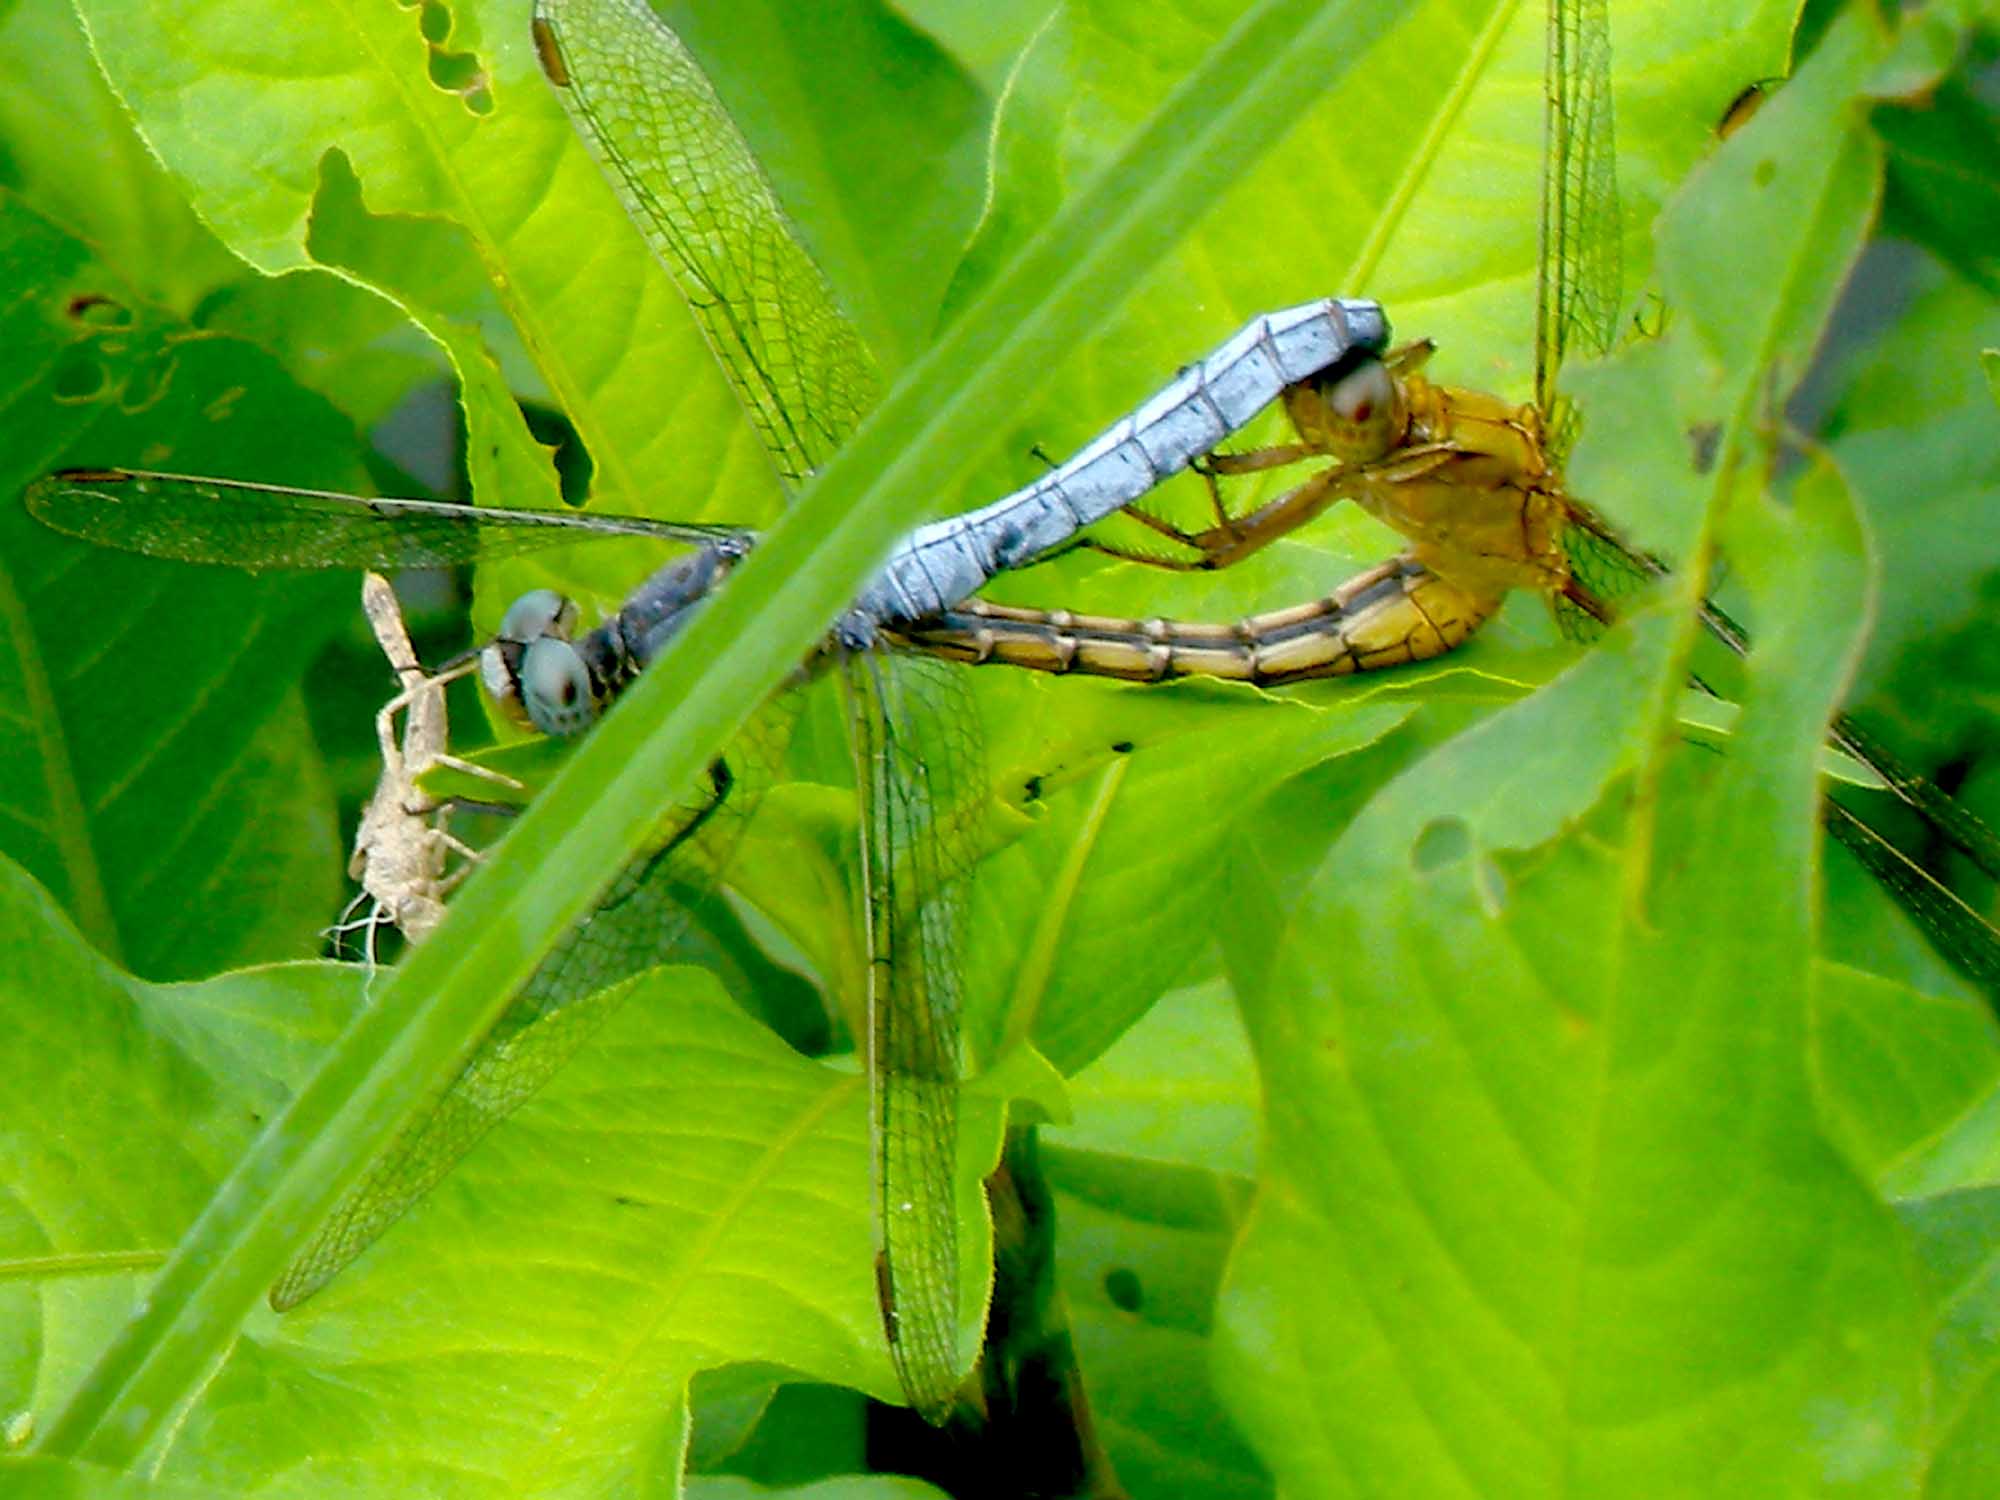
[689, 181]
[692, 186]
[1604, 573]
[1580, 270]
[1965, 937]
[1577, 305]
[916, 751]
[242, 525]
[645, 909]
[1952, 819]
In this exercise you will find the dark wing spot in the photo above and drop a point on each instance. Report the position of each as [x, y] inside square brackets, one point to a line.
[549, 54]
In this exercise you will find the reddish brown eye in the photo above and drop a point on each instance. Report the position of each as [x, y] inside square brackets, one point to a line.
[1358, 413]
[1361, 392]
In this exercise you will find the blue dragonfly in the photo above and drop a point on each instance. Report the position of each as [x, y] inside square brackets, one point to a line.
[803, 375]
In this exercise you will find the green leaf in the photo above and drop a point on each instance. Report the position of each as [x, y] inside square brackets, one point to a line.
[1511, 1023]
[158, 792]
[166, 1086]
[708, 1187]
[1151, 1189]
[1545, 1160]
[64, 1479]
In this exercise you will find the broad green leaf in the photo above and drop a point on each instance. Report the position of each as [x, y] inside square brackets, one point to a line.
[115, 196]
[1151, 1187]
[859, 1488]
[1545, 1162]
[244, 107]
[158, 789]
[65, 1479]
[1899, 1070]
[1912, 418]
[1131, 799]
[332, 336]
[705, 1185]
[873, 136]
[163, 1087]
[1954, 1235]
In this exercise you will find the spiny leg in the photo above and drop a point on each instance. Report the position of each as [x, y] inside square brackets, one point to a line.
[1231, 539]
[1234, 538]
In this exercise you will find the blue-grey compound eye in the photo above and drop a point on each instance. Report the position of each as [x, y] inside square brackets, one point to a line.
[537, 613]
[555, 688]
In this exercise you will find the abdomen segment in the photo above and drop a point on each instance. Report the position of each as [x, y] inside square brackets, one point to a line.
[1395, 613]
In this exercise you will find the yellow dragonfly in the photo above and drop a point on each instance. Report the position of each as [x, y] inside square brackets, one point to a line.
[1475, 485]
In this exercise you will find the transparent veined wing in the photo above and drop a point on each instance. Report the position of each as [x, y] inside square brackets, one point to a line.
[1579, 271]
[917, 759]
[694, 189]
[644, 911]
[239, 524]
[691, 184]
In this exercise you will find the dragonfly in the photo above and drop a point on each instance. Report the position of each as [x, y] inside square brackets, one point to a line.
[1475, 485]
[804, 377]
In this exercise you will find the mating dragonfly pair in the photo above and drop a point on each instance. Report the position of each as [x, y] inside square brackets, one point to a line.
[1472, 482]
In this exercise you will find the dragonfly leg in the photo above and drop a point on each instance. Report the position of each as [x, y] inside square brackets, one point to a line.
[456, 878]
[1187, 540]
[1234, 538]
[412, 755]
[471, 768]
[1217, 507]
[1253, 460]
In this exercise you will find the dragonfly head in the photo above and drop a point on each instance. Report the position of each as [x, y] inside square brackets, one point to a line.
[1353, 410]
[535, 671]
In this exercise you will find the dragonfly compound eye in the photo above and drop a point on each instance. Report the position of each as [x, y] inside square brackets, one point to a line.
[555, 688]
[1362, 412]
[538, 613]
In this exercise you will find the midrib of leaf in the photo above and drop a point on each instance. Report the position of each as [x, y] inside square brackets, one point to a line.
[88, 902]
[1430, 148]
[596, 815]
[544, 1472]
[1031, 979]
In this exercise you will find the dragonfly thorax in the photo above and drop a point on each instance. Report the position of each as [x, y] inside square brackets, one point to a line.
[1472, 489]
